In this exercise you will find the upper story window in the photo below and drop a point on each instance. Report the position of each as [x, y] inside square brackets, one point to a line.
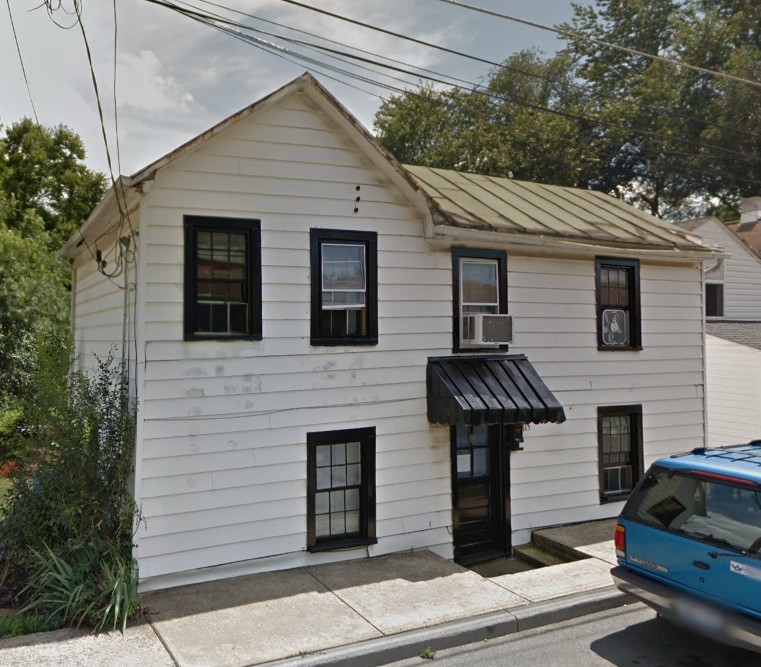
[714, 300]
[344, 287]
[479, 286]
[222, 278]
[619, 437]
[714, 277]
[618, 304]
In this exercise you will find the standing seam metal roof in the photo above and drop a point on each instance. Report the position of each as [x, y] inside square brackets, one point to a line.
[475, 201]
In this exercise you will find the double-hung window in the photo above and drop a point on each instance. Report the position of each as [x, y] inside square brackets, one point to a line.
[618, 304]
[340, 488]
[479, 286]
[619, 437]
[344, 287]
[222, 278]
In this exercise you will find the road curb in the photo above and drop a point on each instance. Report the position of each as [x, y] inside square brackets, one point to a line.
[375, 652]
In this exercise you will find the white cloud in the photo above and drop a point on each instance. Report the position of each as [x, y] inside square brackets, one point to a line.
[142, 84]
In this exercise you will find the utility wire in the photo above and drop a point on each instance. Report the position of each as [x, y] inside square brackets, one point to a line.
[210, 18]
[21, 60]
[503, 66]
[569, 34]
[291, 56]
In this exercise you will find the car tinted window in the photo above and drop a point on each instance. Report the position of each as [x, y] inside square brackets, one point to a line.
[708, 510]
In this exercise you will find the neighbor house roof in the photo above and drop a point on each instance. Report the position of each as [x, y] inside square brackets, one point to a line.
[742, 333]
[456, 206]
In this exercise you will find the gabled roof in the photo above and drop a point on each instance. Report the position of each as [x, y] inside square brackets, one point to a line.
[453, 204]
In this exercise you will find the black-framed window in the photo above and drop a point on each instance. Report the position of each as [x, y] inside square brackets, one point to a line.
[619, 437]
[618, 304]
[344, 287]
[223, 279]
[714, 300]
[479, 285]
[340, 489]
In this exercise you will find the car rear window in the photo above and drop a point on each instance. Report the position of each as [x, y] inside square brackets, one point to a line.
[708, 510]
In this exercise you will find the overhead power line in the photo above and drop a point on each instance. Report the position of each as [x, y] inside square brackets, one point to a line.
[21, 60]
[599, 42]
[212, 19]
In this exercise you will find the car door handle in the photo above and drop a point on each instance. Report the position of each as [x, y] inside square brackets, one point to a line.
[700, 564]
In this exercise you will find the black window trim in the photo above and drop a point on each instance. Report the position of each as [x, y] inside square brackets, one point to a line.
[366, 437]
[252, 228]
[635, 306]
[634, 412]
[459, 253]
[318, 236]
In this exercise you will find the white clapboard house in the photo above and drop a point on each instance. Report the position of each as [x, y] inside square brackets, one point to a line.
[336, 356]
[733, 326]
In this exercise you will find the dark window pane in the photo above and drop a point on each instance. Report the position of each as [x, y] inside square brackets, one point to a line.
[218, 318]
[237, 318]
[714, 300]
[203, 317]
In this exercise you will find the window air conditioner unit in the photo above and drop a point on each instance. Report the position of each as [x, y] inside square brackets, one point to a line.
[487, 329]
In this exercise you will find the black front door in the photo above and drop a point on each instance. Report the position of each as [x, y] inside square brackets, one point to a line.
[480, 492]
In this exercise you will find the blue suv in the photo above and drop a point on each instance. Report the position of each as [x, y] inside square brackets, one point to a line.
[688, 542]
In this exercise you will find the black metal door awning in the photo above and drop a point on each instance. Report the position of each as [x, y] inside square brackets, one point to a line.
[489, 390]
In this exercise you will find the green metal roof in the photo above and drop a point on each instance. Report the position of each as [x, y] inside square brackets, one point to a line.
[474, 201]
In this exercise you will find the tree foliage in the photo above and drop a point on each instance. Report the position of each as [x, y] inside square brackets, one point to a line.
[672, 140]
[46, 192]
[43, 176]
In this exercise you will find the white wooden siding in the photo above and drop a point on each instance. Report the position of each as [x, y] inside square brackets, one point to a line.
[98, 309]
[742, 273]
[733, 391]
[222, 450]
[555, 478]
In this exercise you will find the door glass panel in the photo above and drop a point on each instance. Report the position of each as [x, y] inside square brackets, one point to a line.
[463, 465]
[480, 461]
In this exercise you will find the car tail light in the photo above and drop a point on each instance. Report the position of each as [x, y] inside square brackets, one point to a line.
[620, 541]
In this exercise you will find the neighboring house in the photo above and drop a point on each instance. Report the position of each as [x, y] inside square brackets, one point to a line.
[323, 361]
[733, 326]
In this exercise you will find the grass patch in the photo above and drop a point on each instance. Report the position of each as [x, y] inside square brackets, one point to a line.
[15, 625]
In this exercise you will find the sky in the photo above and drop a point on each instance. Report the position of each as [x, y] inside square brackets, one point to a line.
[176, 78]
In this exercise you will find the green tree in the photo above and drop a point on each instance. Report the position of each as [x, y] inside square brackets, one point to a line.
[46, 192]
[524, 122]
[684, 141]
[42, 172]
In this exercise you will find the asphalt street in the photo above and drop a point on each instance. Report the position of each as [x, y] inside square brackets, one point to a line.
[628, 636]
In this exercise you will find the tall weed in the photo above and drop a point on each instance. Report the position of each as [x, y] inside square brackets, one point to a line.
[69, 517]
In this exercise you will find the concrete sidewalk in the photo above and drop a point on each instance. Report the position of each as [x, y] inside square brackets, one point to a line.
[364, 612]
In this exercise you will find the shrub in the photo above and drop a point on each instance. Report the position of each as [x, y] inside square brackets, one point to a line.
[13, 625]
[69, 518]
